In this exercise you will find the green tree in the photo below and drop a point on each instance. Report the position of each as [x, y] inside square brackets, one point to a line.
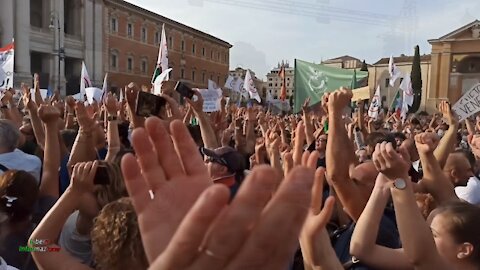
[416, 77]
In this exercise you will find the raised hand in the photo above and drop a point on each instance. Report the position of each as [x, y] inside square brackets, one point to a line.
[131, 94]
[86, 122]
[241, 236]
[339, 99]
[426, 142]
[111, 104]
[445, 108]
[392, 164]
[82, 177]
[197, 105]
[27, 98]
[173, 171]
[48, 114]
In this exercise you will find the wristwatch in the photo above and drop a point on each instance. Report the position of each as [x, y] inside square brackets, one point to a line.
[400, 183]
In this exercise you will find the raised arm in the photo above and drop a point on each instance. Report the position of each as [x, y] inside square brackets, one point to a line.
[113, 138]
[434, 180]
[339, 156]
[307, 121]
[363, 244]
[208, 134]
[51, 225]
[49, 186]
[250, 138]
[84, 146]
[131, 94]
[415, 234]
[32, 109]
[447, 143]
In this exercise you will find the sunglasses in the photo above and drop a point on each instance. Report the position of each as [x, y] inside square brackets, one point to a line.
[217, 160]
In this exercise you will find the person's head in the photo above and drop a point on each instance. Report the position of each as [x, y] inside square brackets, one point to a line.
[69, 136]
[9, 136]
[455, 231]
[224, 162]
[375, 138]
[321, 143]
[458, 168]
[399, 138]
[116, 240]
[18, 194]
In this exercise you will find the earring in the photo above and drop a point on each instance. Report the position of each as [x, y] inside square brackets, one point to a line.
[461, 255]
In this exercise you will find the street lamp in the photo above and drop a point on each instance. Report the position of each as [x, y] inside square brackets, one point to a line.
[60, 51]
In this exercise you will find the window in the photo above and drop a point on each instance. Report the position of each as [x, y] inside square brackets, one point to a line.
[157, 37]
[288, 79]
[36, 13]
[203, 77]
[113, 25]
[183, 45]
[129, 64]
[270, 84]
[218, 56]
[387, 82]
[288, 84]
[203, 51]
[144, 66]
[193, 48]
[182, 73]
[170, 42]
[144, 34]
[211, 54]
[129, 30]
[193, 75]
[270, 79]
[276, 85]
[113, 60]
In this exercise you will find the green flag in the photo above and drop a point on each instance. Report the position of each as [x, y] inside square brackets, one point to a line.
[313, 80]
[354, 80]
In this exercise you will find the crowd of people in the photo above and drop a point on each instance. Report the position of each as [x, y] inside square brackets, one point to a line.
[94, 186]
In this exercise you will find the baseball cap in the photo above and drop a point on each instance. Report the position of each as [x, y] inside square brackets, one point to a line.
[226, 156]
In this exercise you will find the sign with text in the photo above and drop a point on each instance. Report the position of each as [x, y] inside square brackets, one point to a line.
[469, 103]
[211, 99]
[6, 66]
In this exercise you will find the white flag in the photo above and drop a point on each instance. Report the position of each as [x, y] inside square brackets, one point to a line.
[212, 85]
[157, 85]
[394, 71]
[375, 104]
[6, 66]
[162, 60]
[105, 86]
[84, 80]
[404, 111]
[406, 86]
[269, 97]
[230, 83]
[239, 87]
[249, 86]
[93, 94]
[120, 98]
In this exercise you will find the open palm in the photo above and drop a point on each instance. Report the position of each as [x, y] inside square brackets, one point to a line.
[173, 171]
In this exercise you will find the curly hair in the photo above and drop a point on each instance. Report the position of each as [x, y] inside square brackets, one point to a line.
[116, 240]
[115, 189]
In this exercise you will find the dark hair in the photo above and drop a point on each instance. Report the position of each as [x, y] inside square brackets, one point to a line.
[399, 135]
[123, 134]
[68, 136]
[464, 221]
[375, 138]
[18, 194]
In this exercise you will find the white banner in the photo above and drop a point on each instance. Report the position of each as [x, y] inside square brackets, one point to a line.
[94, 94]
[211, 99]
[6, 66]
[469, 103]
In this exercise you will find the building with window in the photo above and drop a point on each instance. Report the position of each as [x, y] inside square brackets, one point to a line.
[274, 82]
[132, 38]
[345, 62]
[240, 73]
[35, 25]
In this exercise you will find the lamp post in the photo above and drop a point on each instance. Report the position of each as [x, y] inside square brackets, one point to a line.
[60, 51]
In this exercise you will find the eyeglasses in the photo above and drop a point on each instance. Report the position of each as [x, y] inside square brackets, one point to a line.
[217, 160]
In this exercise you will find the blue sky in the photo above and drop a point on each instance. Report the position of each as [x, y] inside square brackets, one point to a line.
[263, 32]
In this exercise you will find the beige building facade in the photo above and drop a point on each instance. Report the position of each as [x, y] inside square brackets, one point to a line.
[455, 64]
[274, 82]
[378, 75]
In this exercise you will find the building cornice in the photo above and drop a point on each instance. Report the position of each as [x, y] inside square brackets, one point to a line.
[161, 19]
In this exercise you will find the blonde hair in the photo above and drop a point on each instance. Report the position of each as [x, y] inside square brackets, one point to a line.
[116, 239]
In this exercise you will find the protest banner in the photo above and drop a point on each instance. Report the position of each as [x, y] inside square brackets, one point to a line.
[468, 104]
[362, 93]
[211, 99]
[6, 66]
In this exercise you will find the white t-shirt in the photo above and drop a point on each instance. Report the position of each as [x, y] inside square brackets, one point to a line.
[18, 160]
[5, 266]
[471, 192]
